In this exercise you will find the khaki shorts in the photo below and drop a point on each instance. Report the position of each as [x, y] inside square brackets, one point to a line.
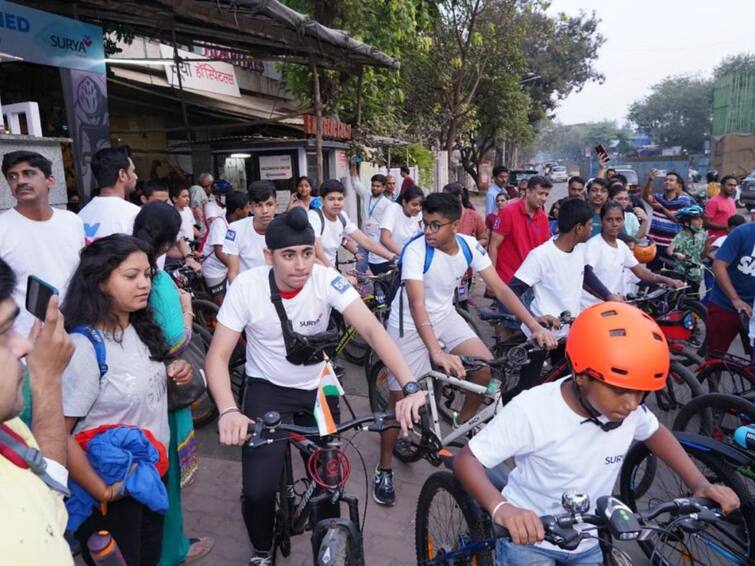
[450, 332]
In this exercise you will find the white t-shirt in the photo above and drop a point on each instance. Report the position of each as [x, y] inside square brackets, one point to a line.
[608, 263]
[104, 216]
[212, 267]
[718, 242]
[242, 239]
[556, 280]
[47, 249]
[402, 228]
[186, 232]
[330, 237]
[248, 306]
[212, 209]
[555, 450]
[440, 281]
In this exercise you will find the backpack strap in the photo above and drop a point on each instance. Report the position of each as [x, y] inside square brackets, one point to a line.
[25, 456]
[98, 343]
[342, 218]
[320, 213]
[465, 249]
[401, 284]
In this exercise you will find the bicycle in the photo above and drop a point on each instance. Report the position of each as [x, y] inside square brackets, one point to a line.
[451, 528]
[644, 479]
[205, 310]
[336, 541]
[729, 373]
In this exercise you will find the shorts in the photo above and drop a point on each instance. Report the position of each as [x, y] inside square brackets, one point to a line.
[216, 285]
[450, 332]
[721, 328]
[506, 552]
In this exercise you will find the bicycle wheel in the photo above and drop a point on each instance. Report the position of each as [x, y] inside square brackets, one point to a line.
[335, 548]
[447, 519]
[716, 415]
[729, 377]
[686, 356]
[356, 350]
[681, 387]
[645, 480]
[377, 387]
[205, 313]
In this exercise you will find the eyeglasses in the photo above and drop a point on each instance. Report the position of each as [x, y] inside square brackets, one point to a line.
[434, 227]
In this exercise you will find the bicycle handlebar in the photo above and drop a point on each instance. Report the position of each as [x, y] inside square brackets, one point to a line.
[559, 529]
[271, 422]
[515, 357]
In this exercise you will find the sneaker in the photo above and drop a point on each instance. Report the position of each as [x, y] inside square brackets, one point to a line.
[260, 558]
[383, 492]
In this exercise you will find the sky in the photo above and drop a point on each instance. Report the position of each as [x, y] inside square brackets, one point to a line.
[648, 40]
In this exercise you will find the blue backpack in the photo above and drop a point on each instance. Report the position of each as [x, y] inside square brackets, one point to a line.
[397, 285]
[98, 343]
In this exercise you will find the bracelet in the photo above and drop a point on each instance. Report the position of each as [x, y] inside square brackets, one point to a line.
[228, 410]
[497, 507]
[428, 323]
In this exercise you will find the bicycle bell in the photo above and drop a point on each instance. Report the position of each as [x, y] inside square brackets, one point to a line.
[575, 502]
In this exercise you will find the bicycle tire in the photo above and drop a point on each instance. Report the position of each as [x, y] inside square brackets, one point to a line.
[687, 357]
[443, 489]
[377, 387]
[741, 411]
[740, 378]
[699, 337]
[356, 350]
[281, 533]
[715, 470]
[681, 387]
[335, 549]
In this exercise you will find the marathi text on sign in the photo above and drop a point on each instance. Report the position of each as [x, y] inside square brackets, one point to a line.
[331, 128]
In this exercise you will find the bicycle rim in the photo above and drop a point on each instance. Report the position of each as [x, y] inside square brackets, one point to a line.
[727, 377]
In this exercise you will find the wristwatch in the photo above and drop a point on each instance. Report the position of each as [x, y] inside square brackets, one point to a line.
[410, 388]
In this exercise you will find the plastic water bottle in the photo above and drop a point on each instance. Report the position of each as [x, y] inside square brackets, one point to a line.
[380, 296]
[104, 550]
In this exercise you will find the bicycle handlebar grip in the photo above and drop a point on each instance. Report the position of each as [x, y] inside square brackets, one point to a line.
[500, 532]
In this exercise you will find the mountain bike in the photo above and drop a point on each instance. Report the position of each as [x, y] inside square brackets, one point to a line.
[303, 504]
[451, 528]
[645, 479]
[729, 373]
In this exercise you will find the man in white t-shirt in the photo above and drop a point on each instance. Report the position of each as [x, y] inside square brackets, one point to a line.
[556, 271]
[215, 265]
[574, 434]
[35, 238]
[424, 322]
[277, 379]
[372, 210]
[199, 195]
[609, 257]
[331, 225]
[109, 212]
[244, 242]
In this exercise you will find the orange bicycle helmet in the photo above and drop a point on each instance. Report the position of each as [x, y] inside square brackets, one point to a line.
[620, 345]
[644, 250]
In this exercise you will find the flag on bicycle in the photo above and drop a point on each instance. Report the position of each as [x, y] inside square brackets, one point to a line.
[329, 387]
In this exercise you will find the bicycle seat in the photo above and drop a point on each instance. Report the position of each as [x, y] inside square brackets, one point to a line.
[493, 314]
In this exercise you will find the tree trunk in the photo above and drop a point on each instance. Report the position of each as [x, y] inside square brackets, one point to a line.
[318, 123]
[360, 76]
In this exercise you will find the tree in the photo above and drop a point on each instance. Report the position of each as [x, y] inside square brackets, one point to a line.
[742, 63]
[559, 141]
[677, 112]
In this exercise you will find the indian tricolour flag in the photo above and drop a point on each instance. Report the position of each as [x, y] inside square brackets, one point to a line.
[329, 387]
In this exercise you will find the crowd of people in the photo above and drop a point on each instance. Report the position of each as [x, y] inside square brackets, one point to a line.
[89, 387]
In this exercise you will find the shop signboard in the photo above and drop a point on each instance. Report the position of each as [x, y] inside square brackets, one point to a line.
[208, 76]
[275, 167]
[48, 39]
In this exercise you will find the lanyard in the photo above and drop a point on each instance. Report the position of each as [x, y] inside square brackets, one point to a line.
[371, 208]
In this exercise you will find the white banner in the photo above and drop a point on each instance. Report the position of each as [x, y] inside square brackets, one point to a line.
[208, 76]
[274, 167]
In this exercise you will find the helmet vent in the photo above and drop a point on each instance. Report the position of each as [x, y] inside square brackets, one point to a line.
[620, 371]
[617, 332]
[657, 337]
[606, 314]
[659, 375]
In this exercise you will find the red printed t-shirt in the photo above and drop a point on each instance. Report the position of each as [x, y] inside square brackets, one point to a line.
[718, 210]
[521, 234]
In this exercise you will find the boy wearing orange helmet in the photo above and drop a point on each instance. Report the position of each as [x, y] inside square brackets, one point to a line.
[574, 433]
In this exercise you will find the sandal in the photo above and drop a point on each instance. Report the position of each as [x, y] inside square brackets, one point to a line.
[198, 549]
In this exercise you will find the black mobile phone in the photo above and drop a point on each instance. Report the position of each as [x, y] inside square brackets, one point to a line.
[601, 151]
[38, 295]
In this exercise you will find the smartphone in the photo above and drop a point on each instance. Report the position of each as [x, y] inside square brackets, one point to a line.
[38, 295]
[601, 151]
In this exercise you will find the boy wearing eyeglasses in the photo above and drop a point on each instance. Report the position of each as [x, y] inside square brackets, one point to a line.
[424, 322]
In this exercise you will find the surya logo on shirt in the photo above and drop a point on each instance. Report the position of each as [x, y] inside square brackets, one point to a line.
[610, 460]
[308, 323]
